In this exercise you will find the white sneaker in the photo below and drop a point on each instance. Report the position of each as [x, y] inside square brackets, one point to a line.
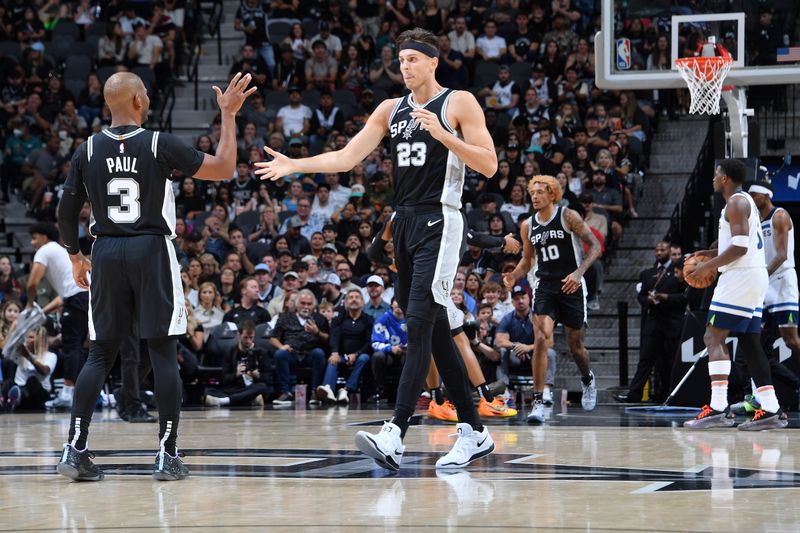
[589, 398]
[59, 402]
[547, 397]
[386, 448]
[212, 401]
[469, 446]
[343, 397]
[536, 415]
[325, 394]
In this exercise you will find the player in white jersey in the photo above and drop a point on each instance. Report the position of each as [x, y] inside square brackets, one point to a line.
[782, 295]
[736, 305]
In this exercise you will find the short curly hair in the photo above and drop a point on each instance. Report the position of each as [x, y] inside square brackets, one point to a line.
[550, 183]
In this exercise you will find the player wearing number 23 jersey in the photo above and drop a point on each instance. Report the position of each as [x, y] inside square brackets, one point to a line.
[125, 173]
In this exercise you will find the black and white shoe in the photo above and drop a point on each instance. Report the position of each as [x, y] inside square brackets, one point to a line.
[470, 446]
[169, 468]
[386, 448]
[78, 465]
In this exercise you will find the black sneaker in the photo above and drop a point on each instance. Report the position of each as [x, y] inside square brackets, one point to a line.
[285, 398]
[78, 466]
[141, 416]
[765, 420]
[169, 468]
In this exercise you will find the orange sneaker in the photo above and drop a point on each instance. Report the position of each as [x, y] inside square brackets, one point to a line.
[445, 412]
[497, 408]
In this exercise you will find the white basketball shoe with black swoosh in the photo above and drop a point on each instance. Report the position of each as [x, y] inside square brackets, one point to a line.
[386, 448]
[469, 446]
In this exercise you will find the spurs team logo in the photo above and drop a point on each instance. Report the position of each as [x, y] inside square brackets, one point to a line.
[409, 131]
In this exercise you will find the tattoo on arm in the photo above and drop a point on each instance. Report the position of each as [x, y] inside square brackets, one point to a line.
[576, 224]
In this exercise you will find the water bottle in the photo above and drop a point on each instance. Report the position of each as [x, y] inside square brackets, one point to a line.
[300, 395]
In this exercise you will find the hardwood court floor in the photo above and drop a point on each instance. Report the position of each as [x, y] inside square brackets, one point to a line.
[265, 470]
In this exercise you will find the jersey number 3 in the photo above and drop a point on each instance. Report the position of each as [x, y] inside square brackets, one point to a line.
[411, 154]
[129, 208]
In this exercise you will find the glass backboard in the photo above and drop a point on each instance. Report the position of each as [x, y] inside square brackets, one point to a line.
[640, 40]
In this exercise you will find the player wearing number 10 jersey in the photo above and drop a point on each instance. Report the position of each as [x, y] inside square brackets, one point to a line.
[124, 172]
[553, 241]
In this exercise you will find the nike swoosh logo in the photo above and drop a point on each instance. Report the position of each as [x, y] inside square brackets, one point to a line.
[402, 109]
[536, 227]
[481, 442]
[434, 222]
[398, 452]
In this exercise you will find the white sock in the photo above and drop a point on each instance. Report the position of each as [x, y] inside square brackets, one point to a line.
[719, 395]
[224, 401]
[67, 391]
[766, 397]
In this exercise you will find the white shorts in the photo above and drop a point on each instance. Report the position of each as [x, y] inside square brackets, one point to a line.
[738, 300]
[782, 298]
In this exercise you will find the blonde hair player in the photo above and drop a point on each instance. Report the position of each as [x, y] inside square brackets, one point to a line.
[736, 305]
[434, 132]
[553, 241]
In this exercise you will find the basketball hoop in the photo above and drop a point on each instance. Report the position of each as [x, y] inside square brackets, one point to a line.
[704, 76]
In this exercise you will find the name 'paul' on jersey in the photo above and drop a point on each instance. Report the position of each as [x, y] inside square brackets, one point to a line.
[125, 172]
[558, 250]
[426, 172]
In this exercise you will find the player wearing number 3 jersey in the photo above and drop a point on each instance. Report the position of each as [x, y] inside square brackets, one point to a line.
[434, 132]
[553, 242]
[124, 171]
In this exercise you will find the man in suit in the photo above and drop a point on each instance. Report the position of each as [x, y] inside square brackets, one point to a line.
[663, 301]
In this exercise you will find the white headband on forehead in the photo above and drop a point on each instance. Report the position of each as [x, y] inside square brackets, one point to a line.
[760, 189]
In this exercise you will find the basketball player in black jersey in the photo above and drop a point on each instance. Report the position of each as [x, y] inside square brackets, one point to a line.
[124, 171]
[553, 241]
[434, 132]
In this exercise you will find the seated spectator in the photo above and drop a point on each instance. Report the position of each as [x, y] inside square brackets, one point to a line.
[112, 47]
[451, 71]
[252, 64]
[301, 338]
[294, 118]
[524, 42]
[326, 119]
[609, 200]
[164, 28]
[289, 71]
[333, 45]
[248, 308]
[91, 100]
[345, 273]
[9, 312]
[145, 49]
[514, 339]
[266, 289]
[208, 312]
[492, 293]
[331, 290]
[502, 95]
[352, 70]
[490, 46]
[517, 205]
[301, 46]
[251, 19]
[375, 305]
[384, 73]
[30, 387]
[290, 285]
[245, 372]
[321, 69]
[389, 343]
[351, 333]
[10, 288]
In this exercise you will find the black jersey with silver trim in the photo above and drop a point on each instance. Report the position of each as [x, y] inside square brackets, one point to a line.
[426, 172]
[558, 250]
[125, 172]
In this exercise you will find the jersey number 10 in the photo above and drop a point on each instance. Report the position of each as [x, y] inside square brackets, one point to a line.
[549, 253]
[129, 208]
[411, 154]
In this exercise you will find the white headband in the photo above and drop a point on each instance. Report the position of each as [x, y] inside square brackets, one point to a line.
[760, 189]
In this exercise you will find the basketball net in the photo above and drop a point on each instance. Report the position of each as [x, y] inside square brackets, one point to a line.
[704, 76]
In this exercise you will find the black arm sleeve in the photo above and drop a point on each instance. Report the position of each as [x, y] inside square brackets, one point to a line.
[174, 153]
[69, 208]
[481, 240]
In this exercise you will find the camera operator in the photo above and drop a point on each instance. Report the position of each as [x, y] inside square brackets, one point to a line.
[245, 372]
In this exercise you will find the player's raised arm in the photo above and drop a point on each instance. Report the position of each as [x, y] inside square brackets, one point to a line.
[221, 165]
[342, 160]
[477, 148]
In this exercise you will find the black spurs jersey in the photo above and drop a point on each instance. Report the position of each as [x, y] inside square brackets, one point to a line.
[125, 173]
[558, 250]
[426, 172]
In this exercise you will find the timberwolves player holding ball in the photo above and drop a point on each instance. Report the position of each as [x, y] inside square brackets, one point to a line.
[553, 241]
[434, 132]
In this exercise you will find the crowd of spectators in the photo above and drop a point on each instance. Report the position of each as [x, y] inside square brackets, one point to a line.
[286, 260]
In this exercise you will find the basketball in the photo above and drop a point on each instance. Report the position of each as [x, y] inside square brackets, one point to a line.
[690, 264]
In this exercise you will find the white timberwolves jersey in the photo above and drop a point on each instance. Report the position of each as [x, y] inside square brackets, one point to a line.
[769, 244]
[755, 257]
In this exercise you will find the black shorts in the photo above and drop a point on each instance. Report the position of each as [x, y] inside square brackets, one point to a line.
[567, 309]
[428, 246]
[135, 281]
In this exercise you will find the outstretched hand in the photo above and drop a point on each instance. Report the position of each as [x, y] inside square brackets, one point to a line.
[230, 102]
[279, 167]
